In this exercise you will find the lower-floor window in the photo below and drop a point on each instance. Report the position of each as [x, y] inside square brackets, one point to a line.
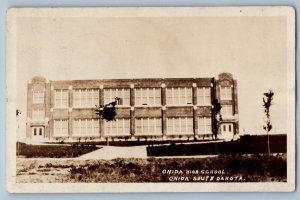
[38, 114]
[226, 110]
[119, 127]
[204, 125]
[86, 127]
[180, 125]
[60, 128]
[148, 126]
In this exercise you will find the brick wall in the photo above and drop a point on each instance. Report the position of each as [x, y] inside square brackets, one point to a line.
[131, 111]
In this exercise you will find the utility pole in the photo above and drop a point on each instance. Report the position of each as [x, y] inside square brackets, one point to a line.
[18, 113]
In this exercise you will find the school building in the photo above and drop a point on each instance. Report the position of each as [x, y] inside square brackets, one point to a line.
[148, 109]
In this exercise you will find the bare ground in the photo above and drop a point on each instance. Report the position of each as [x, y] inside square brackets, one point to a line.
[252, 168]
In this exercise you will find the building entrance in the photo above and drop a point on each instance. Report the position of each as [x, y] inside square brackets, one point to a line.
[227, 131]
[37, 133]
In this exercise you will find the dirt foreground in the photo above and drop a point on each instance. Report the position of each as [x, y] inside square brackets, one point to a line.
[223, 168]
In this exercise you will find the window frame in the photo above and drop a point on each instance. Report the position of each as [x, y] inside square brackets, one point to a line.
[150, 94]
[172, 92]
[115, 125]
[206, 123]
[181, 121]
[63, 128]
[38, 97]
[38, 114]
[226, 93]
[145, 124]
[81, 95]
[84, 127]
[58, 96]
[202, 95]
[228, 108]
[109, 91]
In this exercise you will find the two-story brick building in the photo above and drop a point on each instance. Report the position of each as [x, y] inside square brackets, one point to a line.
[148, 109]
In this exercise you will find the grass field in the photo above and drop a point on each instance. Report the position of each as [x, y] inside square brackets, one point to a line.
[251, 168]
[53, 151]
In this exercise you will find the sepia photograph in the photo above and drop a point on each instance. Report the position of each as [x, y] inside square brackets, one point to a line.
[131, 99]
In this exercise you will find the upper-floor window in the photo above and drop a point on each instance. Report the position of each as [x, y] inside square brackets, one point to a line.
[179, 96]
[60, 128]
[180, 125]
[86, 98]
[226, 110]
[38, 114]
[38, 97]
[61, 98]
[204, 125]
[147, 96]
[203, 96]
[225, 93]
[86, 127]
[123, 95]
[118, 127]
[148, 126]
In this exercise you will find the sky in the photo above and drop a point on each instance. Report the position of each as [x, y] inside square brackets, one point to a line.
[253, 49]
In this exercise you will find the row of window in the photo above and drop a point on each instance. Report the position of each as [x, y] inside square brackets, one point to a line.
[121, 127]
[143, 96]
[39, 114]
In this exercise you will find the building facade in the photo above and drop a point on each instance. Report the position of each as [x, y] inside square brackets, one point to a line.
[148, 109]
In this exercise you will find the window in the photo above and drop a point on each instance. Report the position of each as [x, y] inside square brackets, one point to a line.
[148, 126]
[203, 96]
[38, 114]
[86, 98]
[226, 110]
[179, 96]
[180, 125]
[38, 97]
[120, 127]
[226, 93]
[111, 94]
[147, 96]
[61, 128]
[40, 131]
[61, 98]
[86, 127]
[204, 125]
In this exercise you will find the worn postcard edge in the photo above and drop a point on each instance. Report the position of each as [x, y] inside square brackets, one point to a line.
[11, 70]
